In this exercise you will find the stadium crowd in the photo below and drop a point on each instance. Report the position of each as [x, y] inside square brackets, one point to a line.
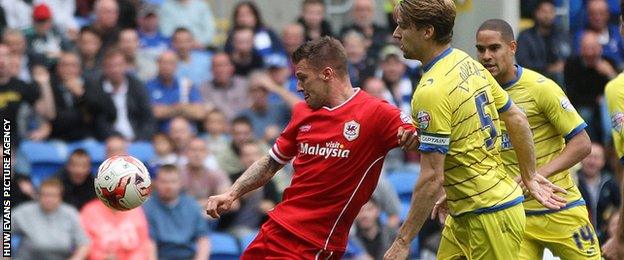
[113, 73]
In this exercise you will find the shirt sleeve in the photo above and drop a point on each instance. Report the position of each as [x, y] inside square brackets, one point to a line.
[432, 114]
[195, 96]
[78, 233]
[557, 108]
[615, 106]
[392, 118]
[285, 147]
[201, 225]
[501, 98]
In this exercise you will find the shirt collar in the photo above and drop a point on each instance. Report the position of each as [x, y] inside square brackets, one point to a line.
[108, 87]
[515, 80]
[436, 59]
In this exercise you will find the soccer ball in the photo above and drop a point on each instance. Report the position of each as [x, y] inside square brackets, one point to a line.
[122, 182]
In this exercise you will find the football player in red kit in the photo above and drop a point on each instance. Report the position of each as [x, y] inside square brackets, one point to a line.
[337, 140]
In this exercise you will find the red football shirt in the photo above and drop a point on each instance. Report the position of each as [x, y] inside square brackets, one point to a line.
[338, 153]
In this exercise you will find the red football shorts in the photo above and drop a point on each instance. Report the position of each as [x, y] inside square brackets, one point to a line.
[275, 242]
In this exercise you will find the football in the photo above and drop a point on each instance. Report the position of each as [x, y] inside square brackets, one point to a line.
[122, 182]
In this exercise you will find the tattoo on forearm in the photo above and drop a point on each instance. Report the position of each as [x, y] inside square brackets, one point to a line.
[256, 175]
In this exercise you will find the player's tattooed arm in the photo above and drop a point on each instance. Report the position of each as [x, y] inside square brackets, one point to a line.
[254, 177]
[257, 175]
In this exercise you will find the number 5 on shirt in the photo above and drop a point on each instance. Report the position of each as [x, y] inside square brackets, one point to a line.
[486, 120]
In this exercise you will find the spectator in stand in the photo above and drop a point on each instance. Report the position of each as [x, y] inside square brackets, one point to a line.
[313, 20]
[172, 96]
[34, 121]
[50, 229]
[243, 54]
[194, 15]
[377, 88]
[116, 144]
[89, 44]
[253, 206]
[363, 17]
[226, 91]
[63, 17]
[194, 64]
[73, 119]
[265, 41]
[360, 65]
[105, 23]
[216, 127]
[268, 118]
[43, 38]
[139, 64]
[17, 13]
[200, 181]
[151, 42]
[77, 179]
[293, 36]
[16, 42]
[164, 152]
[176, 222]
[280, 72]
[121, 102]
[608, 34]
[370, 232]
[392, 71]
[600, 191]
[586, 76]
[241, 130]
[544, 47]
[181, 132]
[15, 93]
[150, 37]
[116, 234]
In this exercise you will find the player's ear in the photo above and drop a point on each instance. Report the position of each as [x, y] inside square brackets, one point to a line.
[429, 32]
[513, 46]
[326, 73]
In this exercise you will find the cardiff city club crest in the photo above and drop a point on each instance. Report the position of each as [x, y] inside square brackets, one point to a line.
[351, 130]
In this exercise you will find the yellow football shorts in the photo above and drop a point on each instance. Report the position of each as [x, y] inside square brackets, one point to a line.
[495, 235]
[567, 233]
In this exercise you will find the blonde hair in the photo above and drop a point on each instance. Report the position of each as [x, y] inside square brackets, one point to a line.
[439, 14]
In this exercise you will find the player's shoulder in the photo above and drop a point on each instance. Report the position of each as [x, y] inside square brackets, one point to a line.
[537, 82]
[301, 108]
[615, 84]
[367, 101]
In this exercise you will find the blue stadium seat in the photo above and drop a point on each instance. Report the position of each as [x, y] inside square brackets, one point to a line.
[353, 251]
[144, 151]
[403, 183]
[45, 158]
[224, 247]
[246, 240]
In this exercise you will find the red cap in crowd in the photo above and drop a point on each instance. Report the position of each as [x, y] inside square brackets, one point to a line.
[41, 12]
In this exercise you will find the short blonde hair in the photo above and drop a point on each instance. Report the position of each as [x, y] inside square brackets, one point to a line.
[440, 14]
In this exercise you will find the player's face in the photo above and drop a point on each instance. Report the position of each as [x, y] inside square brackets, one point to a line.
[410, 37]
[494, 53]
[315, 90]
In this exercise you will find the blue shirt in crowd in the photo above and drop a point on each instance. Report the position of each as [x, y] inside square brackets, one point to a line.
[175, 228]
[198, 69]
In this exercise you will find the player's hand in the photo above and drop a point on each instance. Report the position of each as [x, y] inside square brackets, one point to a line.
[398, 250]
[612, 249]
[215, 205]
[544, 192]
[408, 139]
[440, 210]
